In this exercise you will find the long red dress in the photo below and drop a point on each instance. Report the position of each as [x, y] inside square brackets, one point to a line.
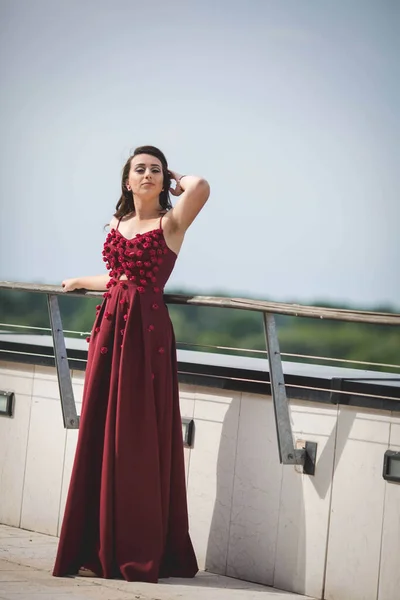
[126, 511]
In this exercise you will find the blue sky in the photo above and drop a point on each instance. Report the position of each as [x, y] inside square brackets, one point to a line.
[289, 109]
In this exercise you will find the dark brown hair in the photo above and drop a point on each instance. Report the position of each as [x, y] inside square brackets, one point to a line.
[125, 204]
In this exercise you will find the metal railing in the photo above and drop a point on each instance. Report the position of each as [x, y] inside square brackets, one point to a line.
[288, 453]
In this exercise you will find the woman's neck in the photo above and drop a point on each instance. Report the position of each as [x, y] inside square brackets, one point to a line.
[146, 213]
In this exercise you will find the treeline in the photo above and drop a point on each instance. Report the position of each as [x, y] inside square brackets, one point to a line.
[203, 328]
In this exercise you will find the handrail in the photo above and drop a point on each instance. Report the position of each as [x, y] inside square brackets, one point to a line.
[288, 454]
[279, 308]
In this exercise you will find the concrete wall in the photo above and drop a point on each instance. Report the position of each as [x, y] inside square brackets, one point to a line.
[335, 535]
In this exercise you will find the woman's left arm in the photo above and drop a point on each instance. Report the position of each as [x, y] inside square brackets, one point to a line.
[193, 193]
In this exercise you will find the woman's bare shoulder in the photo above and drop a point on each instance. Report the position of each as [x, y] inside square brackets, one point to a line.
[113, 222]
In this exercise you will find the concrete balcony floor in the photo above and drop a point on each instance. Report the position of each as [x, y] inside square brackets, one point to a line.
[26, 560]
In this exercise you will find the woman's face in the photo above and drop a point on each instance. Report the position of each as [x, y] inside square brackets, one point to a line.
[145, 176]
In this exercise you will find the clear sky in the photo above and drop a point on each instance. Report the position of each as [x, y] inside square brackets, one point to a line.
[289, 108]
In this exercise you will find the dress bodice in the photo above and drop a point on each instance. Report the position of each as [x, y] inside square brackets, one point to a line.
[145, 260]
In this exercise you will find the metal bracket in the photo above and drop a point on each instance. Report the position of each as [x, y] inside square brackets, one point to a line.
[70, 417]
[187, 431]
[288, 454]
[311, 458]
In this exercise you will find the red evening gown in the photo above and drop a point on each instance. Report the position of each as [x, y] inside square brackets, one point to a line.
[126, 510]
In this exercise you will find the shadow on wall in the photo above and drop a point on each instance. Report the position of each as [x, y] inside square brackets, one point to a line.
[244, 534]
[270, 523]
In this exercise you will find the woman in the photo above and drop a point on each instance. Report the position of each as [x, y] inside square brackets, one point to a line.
[126, 511]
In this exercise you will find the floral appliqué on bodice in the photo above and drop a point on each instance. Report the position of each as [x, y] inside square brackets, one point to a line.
[140, 259]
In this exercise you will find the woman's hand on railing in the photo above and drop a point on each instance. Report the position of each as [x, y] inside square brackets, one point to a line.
[96, 283]
[69, 285]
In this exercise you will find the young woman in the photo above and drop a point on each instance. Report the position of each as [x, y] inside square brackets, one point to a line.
[126, 511]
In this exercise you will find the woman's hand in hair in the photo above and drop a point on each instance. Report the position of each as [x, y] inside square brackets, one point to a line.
[177, 190]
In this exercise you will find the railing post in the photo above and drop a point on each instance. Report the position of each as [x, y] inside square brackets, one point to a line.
[70, 417]
[288, 454]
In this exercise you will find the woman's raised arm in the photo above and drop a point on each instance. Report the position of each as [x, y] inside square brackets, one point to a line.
[193, 193]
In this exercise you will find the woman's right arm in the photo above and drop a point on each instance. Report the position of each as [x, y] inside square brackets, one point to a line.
[92, 282]
[95, 283]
